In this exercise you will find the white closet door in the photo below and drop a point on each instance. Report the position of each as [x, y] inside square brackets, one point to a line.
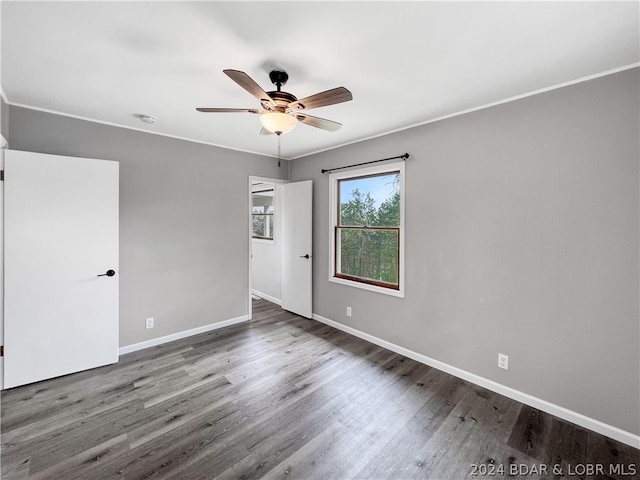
[297, 246]
[61, 233]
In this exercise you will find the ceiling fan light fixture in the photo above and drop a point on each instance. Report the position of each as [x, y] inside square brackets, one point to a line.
[278, 122]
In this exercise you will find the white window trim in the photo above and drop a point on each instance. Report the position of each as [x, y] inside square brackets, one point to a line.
[333, 218]
[268, 241]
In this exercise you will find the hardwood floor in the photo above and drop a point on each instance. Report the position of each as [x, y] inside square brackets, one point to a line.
[286, 397]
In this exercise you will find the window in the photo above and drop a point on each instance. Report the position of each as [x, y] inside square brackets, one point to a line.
[262, 213]
[367, 235]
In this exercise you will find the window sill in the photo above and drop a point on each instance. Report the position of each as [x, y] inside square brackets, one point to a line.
[366, 286]
[263, 240]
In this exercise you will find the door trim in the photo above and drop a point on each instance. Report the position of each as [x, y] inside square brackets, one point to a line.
[3, 148]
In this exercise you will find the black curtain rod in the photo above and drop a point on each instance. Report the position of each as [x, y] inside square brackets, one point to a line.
[404, 156]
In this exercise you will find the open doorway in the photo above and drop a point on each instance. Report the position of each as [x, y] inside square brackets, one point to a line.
[265, 240]
[280, 266]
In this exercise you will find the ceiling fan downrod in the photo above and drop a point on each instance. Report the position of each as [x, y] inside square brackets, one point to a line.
[278, 78]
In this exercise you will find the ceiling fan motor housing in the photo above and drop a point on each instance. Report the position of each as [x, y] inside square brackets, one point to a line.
[282, 99]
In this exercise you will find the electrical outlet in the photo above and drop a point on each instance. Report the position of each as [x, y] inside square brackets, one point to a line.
[348, 311]
[149, 322]
[503, 361]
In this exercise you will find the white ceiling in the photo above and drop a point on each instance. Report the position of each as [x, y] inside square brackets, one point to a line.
[406, 63]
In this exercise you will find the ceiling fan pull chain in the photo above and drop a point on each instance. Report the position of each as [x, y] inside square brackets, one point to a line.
[278, 135]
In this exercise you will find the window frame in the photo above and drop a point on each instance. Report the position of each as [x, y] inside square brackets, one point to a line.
[264, 239]
[334, 209]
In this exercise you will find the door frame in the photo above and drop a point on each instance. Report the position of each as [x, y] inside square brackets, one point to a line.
[4, 145]
[251, 180]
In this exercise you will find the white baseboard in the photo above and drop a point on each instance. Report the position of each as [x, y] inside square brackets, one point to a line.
[267, 297]
[561, 412]
[177, 336]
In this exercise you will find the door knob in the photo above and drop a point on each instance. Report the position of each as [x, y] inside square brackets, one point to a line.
[304, 256]
[108, 273]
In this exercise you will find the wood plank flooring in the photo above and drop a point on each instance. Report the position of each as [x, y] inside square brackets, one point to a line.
[283, 397]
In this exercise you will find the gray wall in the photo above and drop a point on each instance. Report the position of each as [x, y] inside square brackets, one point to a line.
[521, 238]
[184, 215]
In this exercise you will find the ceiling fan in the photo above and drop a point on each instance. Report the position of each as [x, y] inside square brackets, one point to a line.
[281, 111]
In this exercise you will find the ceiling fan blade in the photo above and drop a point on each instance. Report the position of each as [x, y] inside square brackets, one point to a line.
[329, 97]
[246, 82]
[264, 131]
[227, 110]
[317, 122]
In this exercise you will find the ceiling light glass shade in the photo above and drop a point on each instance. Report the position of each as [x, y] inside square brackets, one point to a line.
[278, 122]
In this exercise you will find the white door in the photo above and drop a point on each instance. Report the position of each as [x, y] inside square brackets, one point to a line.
[296, 249]
[61, 239]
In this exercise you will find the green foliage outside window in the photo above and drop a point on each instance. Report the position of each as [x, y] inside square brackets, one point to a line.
[368, 230]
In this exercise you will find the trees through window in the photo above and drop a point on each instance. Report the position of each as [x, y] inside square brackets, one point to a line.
[262, 214]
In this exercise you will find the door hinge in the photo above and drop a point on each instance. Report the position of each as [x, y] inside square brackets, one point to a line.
[1, 350]
[1, 175]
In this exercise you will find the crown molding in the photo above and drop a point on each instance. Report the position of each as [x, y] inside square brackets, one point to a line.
[484, 106]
